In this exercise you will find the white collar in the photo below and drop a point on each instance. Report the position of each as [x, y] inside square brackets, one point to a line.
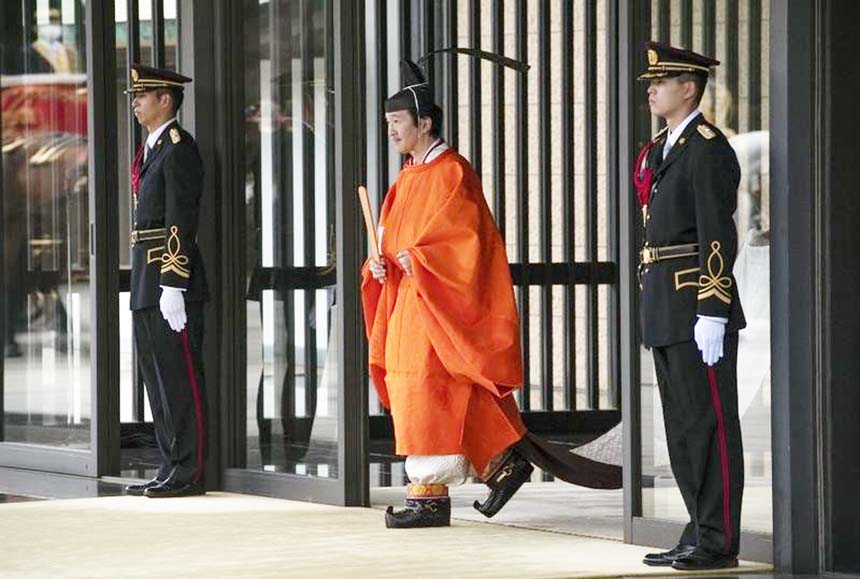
[673, 136]
[433, 151]
[153, 137]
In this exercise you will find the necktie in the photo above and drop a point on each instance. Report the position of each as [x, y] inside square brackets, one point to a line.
[146, 153]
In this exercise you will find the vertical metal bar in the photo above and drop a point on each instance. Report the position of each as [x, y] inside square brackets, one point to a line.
[591, 310]
[381, 153]
[102, 149]
[544, 154]
[406, 32]
[687, 24]
[664, 21]
[709, 26]
[754, 60]
[397, 48]
[331, 135]
[569, 208]
[178, 48]
[309, 33]
[134, 142]
[382, 92]
[475, 86]
[348, 38]
[521, 47]
[795, 47]
[643, 120]
[283, 182]
[158, 43]
[429, 39]
[633, 127]
[730, 62]
[613, 186]
[226, 37]
[133, 57]
[352, 403]
[499, 141]
[452, 111]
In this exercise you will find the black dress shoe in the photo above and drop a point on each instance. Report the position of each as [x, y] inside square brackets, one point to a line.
[433, 512]
[505, 481]
[666, 558]
[701, 561]
[175, 489]
[139, 490]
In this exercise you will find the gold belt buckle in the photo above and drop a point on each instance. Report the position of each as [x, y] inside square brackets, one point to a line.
[648, 255]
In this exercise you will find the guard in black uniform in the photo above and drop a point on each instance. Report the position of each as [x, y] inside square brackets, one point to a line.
[168, 282]
[687, 179]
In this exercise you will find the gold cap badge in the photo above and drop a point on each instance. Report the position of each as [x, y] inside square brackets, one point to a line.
[652, 57]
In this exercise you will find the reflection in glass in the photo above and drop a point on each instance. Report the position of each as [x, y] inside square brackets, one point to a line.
[737, 104]
[292, 374]
[45, 225]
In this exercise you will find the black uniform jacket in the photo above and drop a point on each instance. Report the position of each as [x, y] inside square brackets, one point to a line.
[168, 197]
[693, 199]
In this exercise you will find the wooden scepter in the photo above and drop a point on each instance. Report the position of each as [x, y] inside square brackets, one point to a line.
[369, 224]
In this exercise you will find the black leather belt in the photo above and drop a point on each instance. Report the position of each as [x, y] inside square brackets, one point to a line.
[654, 254]
[139, 235]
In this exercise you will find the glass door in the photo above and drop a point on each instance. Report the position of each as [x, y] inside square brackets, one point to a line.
[291, 390]
[48, 397]
[290, 432]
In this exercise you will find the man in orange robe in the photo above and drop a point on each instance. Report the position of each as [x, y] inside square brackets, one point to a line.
[442, 322]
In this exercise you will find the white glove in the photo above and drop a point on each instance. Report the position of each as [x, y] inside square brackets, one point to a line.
[710, 335]
[172, 306]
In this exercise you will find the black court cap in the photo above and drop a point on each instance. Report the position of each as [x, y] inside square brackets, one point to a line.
[666, 61]
[146, 78]
[416, 94]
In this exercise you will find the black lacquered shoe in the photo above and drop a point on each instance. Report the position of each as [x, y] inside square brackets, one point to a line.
[700, 561]
[140, 490]
[504, 482]
[171, 489]
[666, 558]
[420, 513]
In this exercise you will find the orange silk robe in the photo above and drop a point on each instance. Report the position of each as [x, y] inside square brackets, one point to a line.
[444, 343]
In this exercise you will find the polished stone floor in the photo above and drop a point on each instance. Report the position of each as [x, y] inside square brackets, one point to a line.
[236, 536]
[540, 506]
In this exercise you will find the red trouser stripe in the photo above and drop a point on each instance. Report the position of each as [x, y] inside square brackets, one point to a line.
[724, 456]
[198, 412]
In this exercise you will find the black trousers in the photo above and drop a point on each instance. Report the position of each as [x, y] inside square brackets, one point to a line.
[703, 431]
[172, 369]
